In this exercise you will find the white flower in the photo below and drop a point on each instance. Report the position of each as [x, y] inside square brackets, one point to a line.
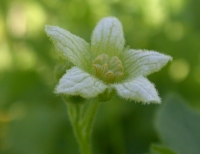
[106, 63]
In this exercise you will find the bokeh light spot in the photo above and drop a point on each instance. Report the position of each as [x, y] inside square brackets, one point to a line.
[36, 18]
[155, 13]
[16, 20]
[179, 70]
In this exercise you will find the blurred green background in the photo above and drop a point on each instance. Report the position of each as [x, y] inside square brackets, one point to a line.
[34, 121]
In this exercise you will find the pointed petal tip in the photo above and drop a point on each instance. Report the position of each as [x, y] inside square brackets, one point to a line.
[153, 101]
[48, 27]
[145, 102]
[50, 30]
[71, 47]
[168, 57]
[110, 18]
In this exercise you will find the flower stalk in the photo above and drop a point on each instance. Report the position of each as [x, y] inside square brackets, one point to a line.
[82, 121]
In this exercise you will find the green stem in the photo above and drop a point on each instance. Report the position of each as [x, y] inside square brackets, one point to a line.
[89, 117]
[82, 126]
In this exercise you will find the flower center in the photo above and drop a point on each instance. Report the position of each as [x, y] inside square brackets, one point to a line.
[108, 69]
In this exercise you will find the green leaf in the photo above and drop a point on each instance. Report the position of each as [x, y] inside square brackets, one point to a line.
[179, 126]
[108, 37]
[160, 149]
[138, 89]
[72, 47]
[76, 82]
[143, 62]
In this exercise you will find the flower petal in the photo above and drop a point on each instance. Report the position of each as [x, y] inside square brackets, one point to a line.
[72, 47]
[107, 37]
[78, 82]
[143, 62]
[138, 89]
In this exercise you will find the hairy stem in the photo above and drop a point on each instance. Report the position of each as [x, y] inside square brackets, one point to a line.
[82, 123]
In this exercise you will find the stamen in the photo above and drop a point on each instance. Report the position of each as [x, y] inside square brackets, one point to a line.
[108, 70]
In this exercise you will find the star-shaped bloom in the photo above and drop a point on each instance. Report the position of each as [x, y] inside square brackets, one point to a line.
[106, 64]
